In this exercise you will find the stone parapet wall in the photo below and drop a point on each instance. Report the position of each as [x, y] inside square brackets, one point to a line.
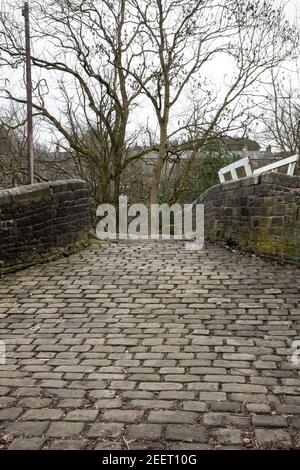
[260, 214]
[40, 222]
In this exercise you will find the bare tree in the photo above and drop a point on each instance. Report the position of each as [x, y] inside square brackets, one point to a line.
[177, 40]
[94, 61]
[13, 161]
[12, 158]
[81, 50]
[280, 113]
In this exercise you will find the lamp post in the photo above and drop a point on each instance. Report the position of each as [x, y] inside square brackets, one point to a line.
[29, 150]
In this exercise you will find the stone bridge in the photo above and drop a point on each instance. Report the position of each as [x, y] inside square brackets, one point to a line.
[150, 346]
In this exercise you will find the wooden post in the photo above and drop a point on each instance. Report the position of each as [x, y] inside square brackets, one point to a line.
[30, 158]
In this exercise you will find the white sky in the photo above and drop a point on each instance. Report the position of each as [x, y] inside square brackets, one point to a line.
[221, 64]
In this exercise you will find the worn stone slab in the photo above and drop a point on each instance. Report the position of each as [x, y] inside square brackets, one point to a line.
[20, 443]
[186, 433]
[64, 429]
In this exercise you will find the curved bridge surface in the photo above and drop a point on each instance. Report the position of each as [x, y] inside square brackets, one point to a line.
[150, 346]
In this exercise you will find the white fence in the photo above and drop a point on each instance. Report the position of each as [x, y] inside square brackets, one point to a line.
[245, 164]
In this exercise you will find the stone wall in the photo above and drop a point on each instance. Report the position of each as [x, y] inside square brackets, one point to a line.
[260, 214]
[40, 222]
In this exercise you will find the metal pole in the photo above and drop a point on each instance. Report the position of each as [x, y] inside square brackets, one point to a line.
[30, 161]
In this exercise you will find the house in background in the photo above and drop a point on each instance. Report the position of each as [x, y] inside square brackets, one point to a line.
[256, 156]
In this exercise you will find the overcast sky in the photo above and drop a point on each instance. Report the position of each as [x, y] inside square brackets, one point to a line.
[293, 9]
[219, 68]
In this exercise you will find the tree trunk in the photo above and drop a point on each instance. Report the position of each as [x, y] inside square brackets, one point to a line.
[155, 186]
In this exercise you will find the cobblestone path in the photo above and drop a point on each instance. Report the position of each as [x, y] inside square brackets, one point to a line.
[150, 346]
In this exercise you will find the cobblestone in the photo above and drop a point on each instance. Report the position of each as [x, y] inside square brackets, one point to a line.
[20, 443]
[42, 415]
[168, 348]
[186, 433]
[273, 438]
[144, 431]
[64, 429]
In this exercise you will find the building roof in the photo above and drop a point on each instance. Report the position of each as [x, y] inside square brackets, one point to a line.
[255, 155]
